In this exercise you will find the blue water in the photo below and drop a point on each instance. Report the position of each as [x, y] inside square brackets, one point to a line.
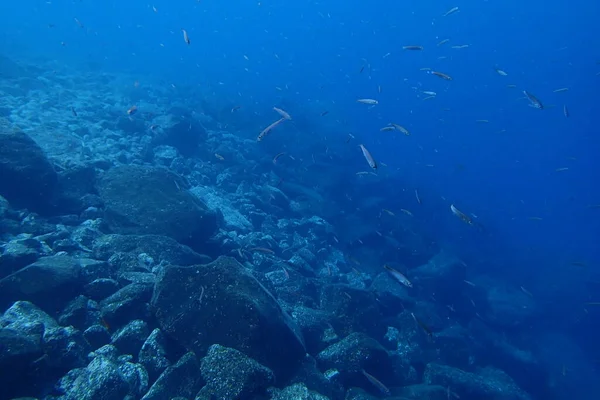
[306, 57]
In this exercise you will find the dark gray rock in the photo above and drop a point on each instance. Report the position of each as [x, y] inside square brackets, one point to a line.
[353, 310]
[162, 249]
[153, 355]
[130, 338]
[147, 200]
[65, 348]
[18, 351]
[296, 391]
[50, 281]
[27, 178]
[97, 336]
[391, 294]
[106, 377]
[508, 307]
[81, 313]
[16, 255]
[229, 374]
[182, 379]
[75, 183]
[488, 383]
[222, 303]
[425, 392]
[101, 288]
[354, 353]
[128, 303]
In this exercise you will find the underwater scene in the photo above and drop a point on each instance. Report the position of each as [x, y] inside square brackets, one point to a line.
[306, 200]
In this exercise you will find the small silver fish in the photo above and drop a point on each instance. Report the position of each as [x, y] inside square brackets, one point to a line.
[399, 276]
[370, 102]
[368, 157]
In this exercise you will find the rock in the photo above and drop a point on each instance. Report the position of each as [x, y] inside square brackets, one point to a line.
[128, 303]
[97, 336]
[231, 217]
[75, 183]
[222, 303]
[229, 374]
[148, 200]
[443, 274]
[297, 392]
[488, 383]
[162, 249]
[65, 348]
[424, 392]
[50, 281]
[81, 313]
[314, 324]
[27, 178]
[130, 338]
[354, 353]
[101, 288]
[18, 351]
[508, 307]
[353, 310]
[390, 293]
[106, 377]
[182, 379]
[153, 355]
[16, 255]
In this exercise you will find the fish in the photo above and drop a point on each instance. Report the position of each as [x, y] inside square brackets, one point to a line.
[324, 113]
[368, 157]
[186, 38]
[283, 114]
[387, 129]
[73, 111]
[535, 218]
[418, 197]
[527, 292]
[277, 156]
[460, 46]
[482, 121]
[412, 47]
[389, 212]
[400, 128]
[534, 101]
[405, 211]
[566, 111]
[469, 283]
[382, 388]
[451, 11]
[464, 217]
[501, 72]
[443, 42]
[399, 276]
[219, 157]
[561, 169]
[561, 90]
[441, 75]
[371, 102]
[429, 93]
[235, 108]
[262, 250]
[423, 326]
[268, 129]
[78, 22]
[132, 110]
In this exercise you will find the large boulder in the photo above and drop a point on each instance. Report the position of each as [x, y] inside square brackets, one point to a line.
[222, 303]
[50, 281]
[27, 178]
[152, 201]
